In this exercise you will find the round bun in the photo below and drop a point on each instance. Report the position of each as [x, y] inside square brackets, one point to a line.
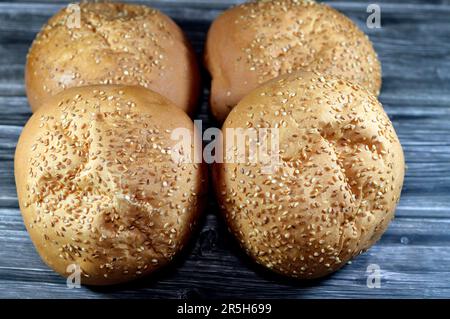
[337, 182]
[97, 184]
[113, 44]
[258, 41]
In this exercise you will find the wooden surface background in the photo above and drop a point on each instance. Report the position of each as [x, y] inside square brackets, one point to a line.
[414, 254]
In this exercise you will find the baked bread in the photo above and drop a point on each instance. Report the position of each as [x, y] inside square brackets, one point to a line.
[336, 184]
[114, 44]
[254, 42]
[98, 186]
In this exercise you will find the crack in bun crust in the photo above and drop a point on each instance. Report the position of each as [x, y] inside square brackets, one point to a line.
[257, 41]
[97, 185]
[114, 44]
[337, 184]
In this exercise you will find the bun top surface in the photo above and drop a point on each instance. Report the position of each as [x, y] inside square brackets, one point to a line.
[260, 40]
[98, 186]
[337, 182]
[113, 44]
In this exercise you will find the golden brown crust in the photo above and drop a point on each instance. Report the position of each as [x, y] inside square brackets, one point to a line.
[257, 41]
[340, 175]
[97, 186]
[115, 44]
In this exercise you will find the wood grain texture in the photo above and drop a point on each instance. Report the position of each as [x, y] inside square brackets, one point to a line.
[414, 254]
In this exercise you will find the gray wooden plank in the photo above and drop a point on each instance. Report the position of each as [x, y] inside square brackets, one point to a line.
[413, 257]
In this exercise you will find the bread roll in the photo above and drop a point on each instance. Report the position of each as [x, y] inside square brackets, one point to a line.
[114, 44]
[260, 40]
[97, 185]
[337, 183]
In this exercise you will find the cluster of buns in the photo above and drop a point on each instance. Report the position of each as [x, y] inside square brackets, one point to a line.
[98, 186]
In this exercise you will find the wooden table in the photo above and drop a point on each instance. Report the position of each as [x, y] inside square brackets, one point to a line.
[414, 254]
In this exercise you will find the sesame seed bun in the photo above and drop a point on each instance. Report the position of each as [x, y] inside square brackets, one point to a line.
[254, 42]
[97, 185]
[337, 184]
[114, 44]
